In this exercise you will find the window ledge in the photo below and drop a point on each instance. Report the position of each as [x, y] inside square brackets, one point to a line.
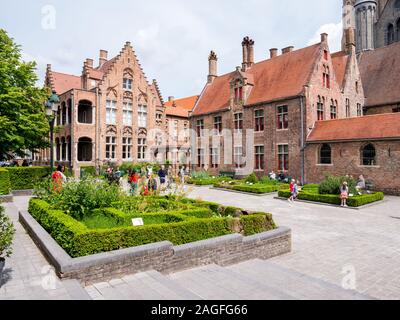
[374, 167]
[279, 130]
[324, 165]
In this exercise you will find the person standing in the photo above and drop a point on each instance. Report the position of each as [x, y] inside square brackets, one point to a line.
[344, 194]
[58, 178]
[162, 174]
[182, 174]
[292, 183]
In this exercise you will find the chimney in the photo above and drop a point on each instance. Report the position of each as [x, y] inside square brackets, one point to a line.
[89, 63]
[324, 37]
[350, 41]
[250, 53]
[212, 67]
[103, 57]
[287, 49]
[273, 53]
[245, 44]
[170, 99]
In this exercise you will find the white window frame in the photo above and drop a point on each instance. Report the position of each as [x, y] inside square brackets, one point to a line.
[142, 116]
[127, 84]
[111, 112]
[111, 147]
[142, 149]
[127, 116]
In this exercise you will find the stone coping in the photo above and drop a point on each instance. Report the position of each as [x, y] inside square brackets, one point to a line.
[163, 256]
[21, 193]
[7, 198]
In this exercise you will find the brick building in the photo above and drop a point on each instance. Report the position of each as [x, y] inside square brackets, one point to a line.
[106, 113]
[367, 145]
[281, 99]
[178, 128]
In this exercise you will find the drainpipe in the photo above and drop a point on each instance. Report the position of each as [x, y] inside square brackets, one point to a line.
[98, 130]
[72, 126]
[302, 146]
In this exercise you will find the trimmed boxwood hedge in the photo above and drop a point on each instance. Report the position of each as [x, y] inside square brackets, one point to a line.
[5, 185]
[78, 240]
[257, 223]
[356, 201]
[25, 178]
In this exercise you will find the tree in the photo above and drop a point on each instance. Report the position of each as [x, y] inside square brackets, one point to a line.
[23, 122]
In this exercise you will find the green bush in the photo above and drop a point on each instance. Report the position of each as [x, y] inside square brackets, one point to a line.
[252, 178]
[257, 223]
[5, 184]
[25, 178]
[79, 198]
[332, 185]
[7, 232]
[355, 201]
[88, 171]
[257, 188]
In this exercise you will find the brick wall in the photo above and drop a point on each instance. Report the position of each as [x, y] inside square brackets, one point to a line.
[347, 160]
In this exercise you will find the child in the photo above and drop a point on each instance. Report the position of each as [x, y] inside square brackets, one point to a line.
[344, 194]
[292, 184]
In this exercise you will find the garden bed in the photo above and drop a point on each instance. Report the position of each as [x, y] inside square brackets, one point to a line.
[311, 193]
[177, 220]
[259, 188]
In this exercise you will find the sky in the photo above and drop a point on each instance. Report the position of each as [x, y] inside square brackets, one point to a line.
[172, 38]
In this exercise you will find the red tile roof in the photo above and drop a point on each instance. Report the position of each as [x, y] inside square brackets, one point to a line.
[65, 82]
[181, 107]
[274, 79]
[380, 74]
[96, 74]
[380, 126]
[340, 60]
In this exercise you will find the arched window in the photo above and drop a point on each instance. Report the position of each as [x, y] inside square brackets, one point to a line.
[85, 114]
[325, 154]
[368, 155]
[390, 34]
[85, 149]
[326, 80]
[63, 114]
[238, 91]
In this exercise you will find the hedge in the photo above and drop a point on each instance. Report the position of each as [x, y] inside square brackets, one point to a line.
[5, 185]
[259, 189]
[78, 240]
[257, 223]
[25, 178]
[356, 201]
[87, 170]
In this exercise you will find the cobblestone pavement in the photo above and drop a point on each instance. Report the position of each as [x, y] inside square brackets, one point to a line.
[333, 244]
[27, 274]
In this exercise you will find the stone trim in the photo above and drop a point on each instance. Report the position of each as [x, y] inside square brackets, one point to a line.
[163, 257]
[6, 198]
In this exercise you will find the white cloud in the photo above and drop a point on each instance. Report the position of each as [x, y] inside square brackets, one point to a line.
[335, 33]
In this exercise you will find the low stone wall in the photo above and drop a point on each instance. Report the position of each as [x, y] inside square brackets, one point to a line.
[7, 198]
[162, 257]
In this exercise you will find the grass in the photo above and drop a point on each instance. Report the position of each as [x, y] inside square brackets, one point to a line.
[102, 222]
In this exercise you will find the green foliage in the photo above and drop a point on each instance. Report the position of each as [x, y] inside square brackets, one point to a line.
[252, 178]
[5, 185]
[208, 181]
[88, 171]
[355, 201]
[126, 166]
[200, 175]
[25, 178]
[80, 197]
[23, 122]
[7, 232]
[331, 185]
[109, 229]
[257, 188]
[231, 212]
[257, 223]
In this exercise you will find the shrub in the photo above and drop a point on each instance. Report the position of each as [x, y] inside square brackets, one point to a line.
[24, 178]
[258, 188]
[252, 178]
[355, 201]
[257, 223]
[5, 185]
[79, 198]
[332, 185]
[88, 171]
[7, 232]
[199, 175]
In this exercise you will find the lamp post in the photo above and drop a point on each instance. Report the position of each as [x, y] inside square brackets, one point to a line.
[52, 105]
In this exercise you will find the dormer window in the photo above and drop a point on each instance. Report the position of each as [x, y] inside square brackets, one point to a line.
[238, 91]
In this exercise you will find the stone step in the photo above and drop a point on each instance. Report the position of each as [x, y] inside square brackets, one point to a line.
[299, 285]
[214, 282]
[75, 290]
[150, 285]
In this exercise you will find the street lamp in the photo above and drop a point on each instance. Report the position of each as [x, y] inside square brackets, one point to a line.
[52, 105]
